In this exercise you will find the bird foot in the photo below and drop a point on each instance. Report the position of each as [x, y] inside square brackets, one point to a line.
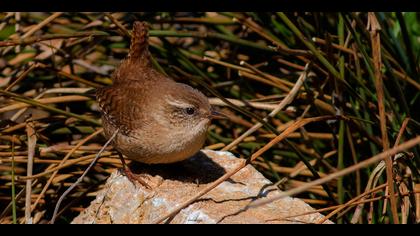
[136, 178]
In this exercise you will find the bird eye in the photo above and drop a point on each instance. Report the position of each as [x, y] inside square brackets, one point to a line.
[189, 110]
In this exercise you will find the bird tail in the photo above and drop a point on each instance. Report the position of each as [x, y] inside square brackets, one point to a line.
[139, 50]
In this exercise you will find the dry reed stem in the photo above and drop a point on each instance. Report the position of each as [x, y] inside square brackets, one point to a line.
[417, 201]
[273, 79]
[406, 145]
[287, 100]
[36, 39]
[33, 30]
[80, 179]
[67, 164]
[377, 61]
[258, 105]
[22, 76]
[259, 30]
[360, 200]
[263, 80]
[50, 100]
[337, 46]
[21, 98]
[62, 163]
[338, 208]
[313, 135]
[249, 71]
[32, 139]
[119, 25]
[286, 170]
[41, 24]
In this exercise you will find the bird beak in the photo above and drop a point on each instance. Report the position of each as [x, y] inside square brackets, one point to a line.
[217, 115]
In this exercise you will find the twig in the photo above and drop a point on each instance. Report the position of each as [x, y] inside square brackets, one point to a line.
[397, 141]
[42, 24]
[80, 179]
[49, 108]
[410, 143]
[258, 105]
[281, 47]
[119, 25]
[36, 39]
[50, 100]
[34, 28]
[278, 82]
[31, 152]
[67, 164]
[62, 163]
[352, 202]
[377, 61]
[288, 99]
[22, 76]
[13, 183]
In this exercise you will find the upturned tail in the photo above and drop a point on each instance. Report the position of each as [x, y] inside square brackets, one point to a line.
[139, 48]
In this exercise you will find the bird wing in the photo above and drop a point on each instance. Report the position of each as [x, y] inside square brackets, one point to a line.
[118, 109]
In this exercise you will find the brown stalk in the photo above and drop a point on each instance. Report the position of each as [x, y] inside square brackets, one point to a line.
[287, 100]
[22, 76]
[360, 200]
[263, 80]
[337, 46]
[31, 133]
[119, 25]
[259, 105]
[291, 64]
[36, 39]
[62, 163]
[51, 100]
[406, 145]
[259, 30]
[67, 164]
[397, 141]
[71, 76]
[336, 208]
[244, 69]
[377, 61]
[264, 75]
[33, 30]
[80, 179]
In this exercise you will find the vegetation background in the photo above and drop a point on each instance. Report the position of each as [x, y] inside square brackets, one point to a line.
[363, 75]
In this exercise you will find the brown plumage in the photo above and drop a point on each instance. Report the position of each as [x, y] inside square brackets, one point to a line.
[159, 120]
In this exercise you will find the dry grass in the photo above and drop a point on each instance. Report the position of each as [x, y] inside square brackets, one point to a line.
[319, 137]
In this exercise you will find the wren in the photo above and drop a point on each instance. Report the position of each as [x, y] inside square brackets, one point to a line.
[158, 119]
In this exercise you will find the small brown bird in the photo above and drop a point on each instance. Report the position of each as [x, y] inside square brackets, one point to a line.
[159, 120]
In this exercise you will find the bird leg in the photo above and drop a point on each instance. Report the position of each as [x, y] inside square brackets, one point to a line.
[131, 176]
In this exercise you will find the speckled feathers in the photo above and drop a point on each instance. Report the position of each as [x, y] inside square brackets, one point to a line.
[145, 105]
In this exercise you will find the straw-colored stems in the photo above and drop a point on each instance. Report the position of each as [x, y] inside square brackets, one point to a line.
[31, 133]
[49, 108]
[287, 100]
[13, 185]
[62, 163]
[409, 144]
[36, 39]
[377, 61]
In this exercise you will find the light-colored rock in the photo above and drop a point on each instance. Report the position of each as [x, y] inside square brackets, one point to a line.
[122, 202]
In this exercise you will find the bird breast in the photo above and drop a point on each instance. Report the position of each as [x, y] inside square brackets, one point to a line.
[156, 146]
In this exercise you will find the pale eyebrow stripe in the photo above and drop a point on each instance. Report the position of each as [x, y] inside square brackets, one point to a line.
[177, 103]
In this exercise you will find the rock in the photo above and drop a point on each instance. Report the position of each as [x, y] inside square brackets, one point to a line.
[122, 202]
